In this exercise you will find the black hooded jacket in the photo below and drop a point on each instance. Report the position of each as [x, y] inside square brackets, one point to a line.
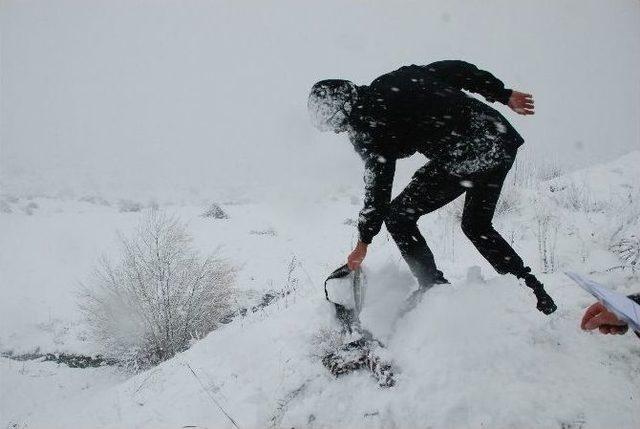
[422, 109]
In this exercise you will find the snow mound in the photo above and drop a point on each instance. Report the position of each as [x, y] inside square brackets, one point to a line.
[615, 180]
[470, 355]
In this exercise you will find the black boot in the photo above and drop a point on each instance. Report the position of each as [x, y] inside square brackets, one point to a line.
[438, 279]
[545, 302]
[427, 281]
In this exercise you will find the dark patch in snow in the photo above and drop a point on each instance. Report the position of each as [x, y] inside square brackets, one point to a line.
[129, 206]
[269, 231]
[30, 208]
[5, 207]
[94, 199]
[69, 359]
[266, 300]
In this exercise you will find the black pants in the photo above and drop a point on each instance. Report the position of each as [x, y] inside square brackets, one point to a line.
[431, 188]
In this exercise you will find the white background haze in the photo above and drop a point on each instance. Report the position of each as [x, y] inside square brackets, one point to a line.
[156, 98]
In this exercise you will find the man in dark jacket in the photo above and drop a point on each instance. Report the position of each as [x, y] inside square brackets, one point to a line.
[470, 147]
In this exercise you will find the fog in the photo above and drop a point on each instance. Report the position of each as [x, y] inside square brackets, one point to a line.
[191, 99]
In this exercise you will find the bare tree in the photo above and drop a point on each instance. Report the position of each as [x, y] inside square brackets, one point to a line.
[158, 297]
[628, 250]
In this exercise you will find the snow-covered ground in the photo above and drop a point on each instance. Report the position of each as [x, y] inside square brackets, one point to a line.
[475, 353]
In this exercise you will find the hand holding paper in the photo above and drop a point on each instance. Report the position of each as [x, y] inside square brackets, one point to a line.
[612, 312]
[597, 316]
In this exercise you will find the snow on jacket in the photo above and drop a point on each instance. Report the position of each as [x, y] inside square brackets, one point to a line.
[424, 109]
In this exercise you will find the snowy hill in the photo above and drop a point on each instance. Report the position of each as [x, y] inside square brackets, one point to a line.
[475, 353]
[615, 181]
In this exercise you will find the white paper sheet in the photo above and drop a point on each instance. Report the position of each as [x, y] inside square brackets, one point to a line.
[626, 310]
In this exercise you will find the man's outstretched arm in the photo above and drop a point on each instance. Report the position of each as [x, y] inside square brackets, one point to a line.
[464, 75]
[378, 182]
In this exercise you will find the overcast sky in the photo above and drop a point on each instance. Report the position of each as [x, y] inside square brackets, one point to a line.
[195, 95]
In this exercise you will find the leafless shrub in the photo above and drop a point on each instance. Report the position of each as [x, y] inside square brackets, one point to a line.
[625, 217]
[628, 250]
[523, 173]
[547, 236]
[293, 281]
[549, 171]
[526, 173]
[509, 202]
[158, 297]
[576, 197]
[215, 211]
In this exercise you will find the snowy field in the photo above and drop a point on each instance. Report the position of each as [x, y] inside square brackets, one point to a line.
[475, 353]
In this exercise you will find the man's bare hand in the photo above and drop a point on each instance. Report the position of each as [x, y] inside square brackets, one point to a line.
[355, 258]
[521, 103]
[597, 316]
